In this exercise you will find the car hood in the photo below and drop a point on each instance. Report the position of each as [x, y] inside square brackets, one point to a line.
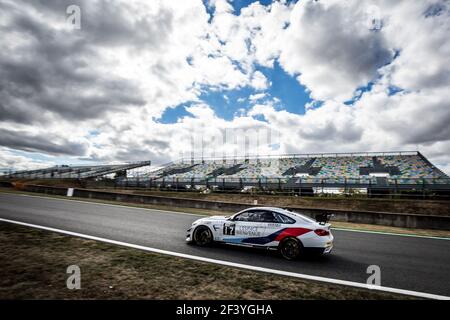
[215, 218]
[212, 218]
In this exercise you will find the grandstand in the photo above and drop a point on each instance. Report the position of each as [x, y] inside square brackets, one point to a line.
[399, 170]
[302, 173]
[76, 172]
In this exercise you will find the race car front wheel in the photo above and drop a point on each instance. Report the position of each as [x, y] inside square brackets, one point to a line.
[291, 248]
[202, 236]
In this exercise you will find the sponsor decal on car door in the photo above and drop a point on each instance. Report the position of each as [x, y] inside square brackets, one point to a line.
[250, 229]
[246, 226]
[241, 231]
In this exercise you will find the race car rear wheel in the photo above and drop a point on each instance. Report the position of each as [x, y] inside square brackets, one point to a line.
[291, 248]
[202, 236]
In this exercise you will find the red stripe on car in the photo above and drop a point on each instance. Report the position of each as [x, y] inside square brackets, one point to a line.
[291, 232]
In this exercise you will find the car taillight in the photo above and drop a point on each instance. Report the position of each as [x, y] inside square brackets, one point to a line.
[321, 232]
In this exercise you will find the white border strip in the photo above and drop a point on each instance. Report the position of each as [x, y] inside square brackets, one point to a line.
[204, 215]
[237, 265]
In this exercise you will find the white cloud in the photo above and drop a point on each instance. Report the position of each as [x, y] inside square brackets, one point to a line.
[10, 161]
[254, 35]
[331, 49]
[328, 46]
[259, 81]
[257, 96]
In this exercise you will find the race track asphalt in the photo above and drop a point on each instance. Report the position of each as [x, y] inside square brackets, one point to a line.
[418, 264]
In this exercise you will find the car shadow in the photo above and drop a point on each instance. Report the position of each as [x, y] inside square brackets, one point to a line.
[336, 264]
[274, 254]
[307, 259]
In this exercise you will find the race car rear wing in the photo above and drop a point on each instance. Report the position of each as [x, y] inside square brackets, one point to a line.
[323, 218]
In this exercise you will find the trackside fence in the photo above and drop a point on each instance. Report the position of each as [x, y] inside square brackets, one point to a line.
[438, 188]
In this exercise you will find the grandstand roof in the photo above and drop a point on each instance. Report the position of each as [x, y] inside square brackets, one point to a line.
[75, 172]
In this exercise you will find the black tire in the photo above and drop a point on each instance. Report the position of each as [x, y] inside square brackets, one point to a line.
[291, 248]
[202, 236]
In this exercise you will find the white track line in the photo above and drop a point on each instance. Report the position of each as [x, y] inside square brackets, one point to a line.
[238, 265]
[203, 215]
[390, 233]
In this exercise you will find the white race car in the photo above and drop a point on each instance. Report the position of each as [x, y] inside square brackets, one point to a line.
[267, 227]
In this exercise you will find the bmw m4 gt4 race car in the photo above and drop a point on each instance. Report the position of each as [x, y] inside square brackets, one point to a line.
[272, 228]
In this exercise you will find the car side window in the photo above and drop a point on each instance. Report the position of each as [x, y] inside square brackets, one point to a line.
[268, 217]
[251, 216]
[256, 216]
[262, 216]
[244, 216]
[281, 218]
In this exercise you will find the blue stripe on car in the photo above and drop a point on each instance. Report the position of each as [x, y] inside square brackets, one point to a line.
[255, 240]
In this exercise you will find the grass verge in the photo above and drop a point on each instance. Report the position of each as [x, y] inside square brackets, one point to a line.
[335, 224]
[34, 262]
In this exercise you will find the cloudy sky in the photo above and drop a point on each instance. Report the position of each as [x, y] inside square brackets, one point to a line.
[144, 79]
